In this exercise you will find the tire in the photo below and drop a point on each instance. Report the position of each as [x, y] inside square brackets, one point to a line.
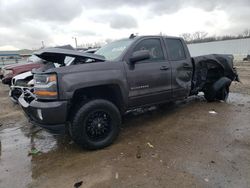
[96, 124]
[222, 94]
[209, 94]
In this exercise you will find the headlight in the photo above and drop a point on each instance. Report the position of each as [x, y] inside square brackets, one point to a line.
[45, 86]
[6, 72]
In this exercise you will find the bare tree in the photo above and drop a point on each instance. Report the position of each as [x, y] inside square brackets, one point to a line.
[91, 45]
[199, 35]
[187, 36]
[246, 33]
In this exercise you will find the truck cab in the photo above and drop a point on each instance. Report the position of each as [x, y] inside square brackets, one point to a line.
[164, 76]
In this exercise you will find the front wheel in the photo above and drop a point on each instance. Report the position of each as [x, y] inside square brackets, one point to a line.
[96, 124]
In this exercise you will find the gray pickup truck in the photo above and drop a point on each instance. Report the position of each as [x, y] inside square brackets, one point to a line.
[88, 96]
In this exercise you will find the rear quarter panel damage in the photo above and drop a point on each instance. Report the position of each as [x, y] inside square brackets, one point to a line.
[210, 68]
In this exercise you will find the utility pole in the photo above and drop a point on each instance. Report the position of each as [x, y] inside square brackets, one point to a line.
[43, 44]
[75, 40]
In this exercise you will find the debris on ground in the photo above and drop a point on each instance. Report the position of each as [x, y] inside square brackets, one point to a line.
[78, 184]
[34, 151]
[154, 155]
[138, 152]
[116, 175]
[1, 124]
[206, 180]
[212, 112]
[150, 145]
[212, 161]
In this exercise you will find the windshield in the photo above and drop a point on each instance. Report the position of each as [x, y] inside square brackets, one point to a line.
[113, 50]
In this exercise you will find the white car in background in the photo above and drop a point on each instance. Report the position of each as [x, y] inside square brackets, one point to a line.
[19, 84]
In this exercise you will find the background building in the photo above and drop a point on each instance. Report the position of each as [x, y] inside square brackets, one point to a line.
[240, 48]
[9, 57]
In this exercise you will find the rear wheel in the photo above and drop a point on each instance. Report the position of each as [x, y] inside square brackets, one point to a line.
[209, 94]
[96, 124]
[222, 94]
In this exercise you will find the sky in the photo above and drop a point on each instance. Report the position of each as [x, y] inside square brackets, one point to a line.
[24, 24]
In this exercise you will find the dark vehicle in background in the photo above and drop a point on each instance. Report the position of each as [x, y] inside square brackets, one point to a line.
[247, 58]
[9, 71]
[89, 97]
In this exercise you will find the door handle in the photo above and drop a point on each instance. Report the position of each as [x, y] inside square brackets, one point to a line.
[164, 68]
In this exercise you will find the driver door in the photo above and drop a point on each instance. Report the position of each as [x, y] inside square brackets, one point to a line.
[149, 80]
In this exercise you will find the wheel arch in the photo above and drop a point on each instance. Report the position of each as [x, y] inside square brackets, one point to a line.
[110, 92]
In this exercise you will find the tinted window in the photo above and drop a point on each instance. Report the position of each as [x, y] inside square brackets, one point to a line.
[175, 49]
[154, 48]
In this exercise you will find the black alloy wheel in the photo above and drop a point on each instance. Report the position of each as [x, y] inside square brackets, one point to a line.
[98, 125]
[95, 124]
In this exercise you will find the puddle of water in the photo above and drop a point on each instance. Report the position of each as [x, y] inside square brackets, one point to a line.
[15, 162]
[15, 165]
[238, 98]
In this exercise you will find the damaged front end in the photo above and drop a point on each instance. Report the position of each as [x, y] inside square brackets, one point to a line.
[43, 105]
[20, 84]
[43, 114]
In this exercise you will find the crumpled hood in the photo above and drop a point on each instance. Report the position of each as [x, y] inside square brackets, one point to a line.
[57, 55]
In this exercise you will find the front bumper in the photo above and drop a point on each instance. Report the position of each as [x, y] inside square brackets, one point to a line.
[16, 91]
[48, 115]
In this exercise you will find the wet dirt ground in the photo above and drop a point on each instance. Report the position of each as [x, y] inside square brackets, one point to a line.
[191, 143]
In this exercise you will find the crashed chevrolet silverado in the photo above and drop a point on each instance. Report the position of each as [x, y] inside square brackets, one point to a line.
[89, 97]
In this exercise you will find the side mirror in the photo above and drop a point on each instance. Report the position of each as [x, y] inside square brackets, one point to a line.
[139, 56]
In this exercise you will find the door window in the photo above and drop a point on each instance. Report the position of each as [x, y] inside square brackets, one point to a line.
[175, 49]
[154, 48]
